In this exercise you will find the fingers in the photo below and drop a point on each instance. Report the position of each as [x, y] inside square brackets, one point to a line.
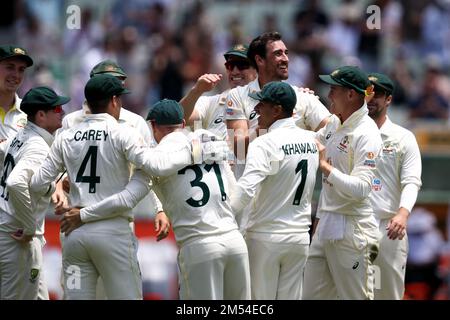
[157, 224]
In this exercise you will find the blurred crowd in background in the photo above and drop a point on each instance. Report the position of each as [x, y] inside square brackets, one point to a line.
[165, 45]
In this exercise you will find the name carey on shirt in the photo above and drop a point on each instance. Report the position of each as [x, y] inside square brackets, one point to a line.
[98, 135]
[298, 148]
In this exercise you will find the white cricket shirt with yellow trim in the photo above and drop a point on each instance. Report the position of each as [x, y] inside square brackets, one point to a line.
[398, 166]
[308, 112]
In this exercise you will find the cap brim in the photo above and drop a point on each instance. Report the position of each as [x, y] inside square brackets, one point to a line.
[125, 91]
[328, 79]
[24, 57]
[235, 54]
[62, 100]
[112, 73]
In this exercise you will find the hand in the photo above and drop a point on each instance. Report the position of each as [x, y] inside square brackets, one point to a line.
[324, 165]
[207, 82]
[396, 228]
[62, 209]
[71, 221]
[20, 237]
[58, 197]
[162, 225]
[66, 184]
[206, 147]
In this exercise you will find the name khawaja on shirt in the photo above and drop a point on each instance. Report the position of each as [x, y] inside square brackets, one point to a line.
[99, 135]
[298, 148]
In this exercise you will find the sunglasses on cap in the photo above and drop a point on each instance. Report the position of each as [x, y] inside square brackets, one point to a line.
[241, 65]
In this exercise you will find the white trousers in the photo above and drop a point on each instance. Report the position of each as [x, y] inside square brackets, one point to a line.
[390, 266]
[112, 256]
[342, 269]
[214, 268]
[21, 275]
[276, 269]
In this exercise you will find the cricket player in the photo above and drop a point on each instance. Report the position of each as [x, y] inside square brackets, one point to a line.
[21, 216]
[14, 61]
[394, 191]
[269, 55]
[346, 240]
[96, 154]
[213, 257]
[150, 203]
[208, 112]
[286, 158]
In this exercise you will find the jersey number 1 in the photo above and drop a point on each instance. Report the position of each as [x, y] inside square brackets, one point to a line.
[92, 178]
[303, 167]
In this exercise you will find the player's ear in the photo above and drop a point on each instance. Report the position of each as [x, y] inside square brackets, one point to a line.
[183, 124]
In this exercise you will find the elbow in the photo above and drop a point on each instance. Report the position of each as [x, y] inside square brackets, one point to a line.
[363, 191]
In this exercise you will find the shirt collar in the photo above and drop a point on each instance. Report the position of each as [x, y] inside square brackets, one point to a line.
[386, 126]
[357, 115]
[283, 123]
[47, 136]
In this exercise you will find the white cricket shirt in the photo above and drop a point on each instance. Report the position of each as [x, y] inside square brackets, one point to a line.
[23, 156]
[308, 112]
[279, 179]
[352, 149]
[398, 166]
[211, 112]
[15, 119]
[196, 198]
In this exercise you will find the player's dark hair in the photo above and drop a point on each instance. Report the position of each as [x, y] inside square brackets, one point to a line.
[99, 106]
[258, 46]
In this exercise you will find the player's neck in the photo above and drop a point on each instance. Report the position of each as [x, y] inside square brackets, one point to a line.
[380, 120]
[7, 100]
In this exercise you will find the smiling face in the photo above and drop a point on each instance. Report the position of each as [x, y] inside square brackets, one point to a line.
[12, 72]
[239, 71]
[276, 63]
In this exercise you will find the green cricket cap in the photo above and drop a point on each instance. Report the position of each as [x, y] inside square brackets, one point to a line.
[166, 112]
[277, 92]
[382, 81]
[350, 77]
[103, 86]
[41, 98]
[10, 51]
[108, 67]
[238, 50]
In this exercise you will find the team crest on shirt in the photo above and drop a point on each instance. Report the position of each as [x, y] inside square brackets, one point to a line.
[343, 145]
[376, 184]
[388, 148]
[21, 123]
[34, 273]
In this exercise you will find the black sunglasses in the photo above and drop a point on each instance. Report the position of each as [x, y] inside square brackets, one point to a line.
[241, 65]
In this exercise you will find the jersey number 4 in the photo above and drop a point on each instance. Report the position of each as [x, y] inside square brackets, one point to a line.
[303, 167]
[197, 182]
[8, 166]
[92, 178]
